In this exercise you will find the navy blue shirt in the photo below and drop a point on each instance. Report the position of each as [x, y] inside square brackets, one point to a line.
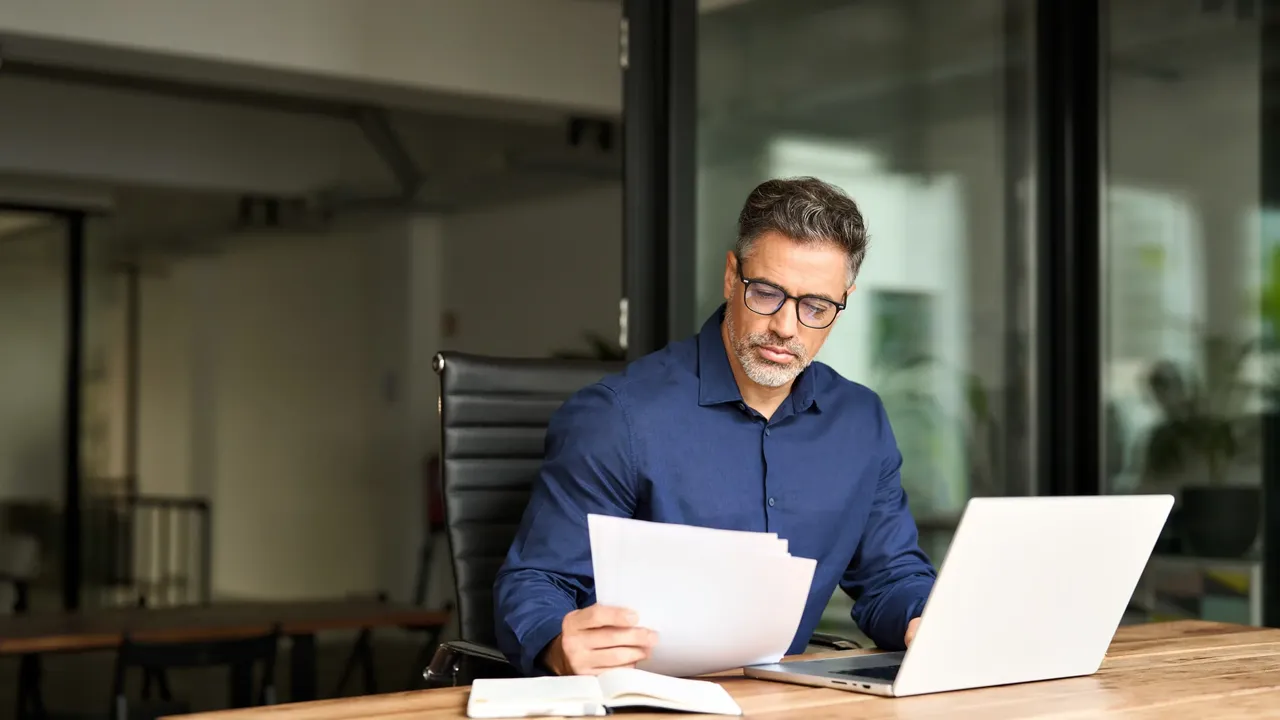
[669, 439]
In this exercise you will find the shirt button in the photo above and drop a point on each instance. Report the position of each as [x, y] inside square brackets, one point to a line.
[766, 431]
[770, 502]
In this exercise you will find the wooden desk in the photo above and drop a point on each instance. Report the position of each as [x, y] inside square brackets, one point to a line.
[105, 629]
[1164, 671]
[33, 634]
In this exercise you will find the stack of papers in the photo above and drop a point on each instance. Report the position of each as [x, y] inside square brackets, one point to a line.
[718, 599]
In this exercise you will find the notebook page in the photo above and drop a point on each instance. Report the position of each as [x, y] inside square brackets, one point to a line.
[627, 687]
[566, 696]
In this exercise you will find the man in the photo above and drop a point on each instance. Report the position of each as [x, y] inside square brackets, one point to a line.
[734, 428]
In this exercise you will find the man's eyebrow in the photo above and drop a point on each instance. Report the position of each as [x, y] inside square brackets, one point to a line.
[820, 296]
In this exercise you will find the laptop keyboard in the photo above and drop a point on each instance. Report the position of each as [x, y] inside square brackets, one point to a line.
[883, 672]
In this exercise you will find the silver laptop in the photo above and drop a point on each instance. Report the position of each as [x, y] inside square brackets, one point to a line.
[1032, 588]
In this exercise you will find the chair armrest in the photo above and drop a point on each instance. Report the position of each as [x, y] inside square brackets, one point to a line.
[458, 662]
[835, 642]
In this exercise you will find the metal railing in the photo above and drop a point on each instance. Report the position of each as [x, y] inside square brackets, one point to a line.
[150, 550]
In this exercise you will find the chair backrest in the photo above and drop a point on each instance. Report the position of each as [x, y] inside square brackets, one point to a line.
[493, 417]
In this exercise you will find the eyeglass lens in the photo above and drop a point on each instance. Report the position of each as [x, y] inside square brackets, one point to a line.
[767, 300]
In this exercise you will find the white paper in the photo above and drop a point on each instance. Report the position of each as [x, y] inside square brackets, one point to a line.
[567, 696]
[668, 536]
[581, 695]
[626, 687]
[718, 599]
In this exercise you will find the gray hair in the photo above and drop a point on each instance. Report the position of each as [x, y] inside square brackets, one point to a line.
[806, 210]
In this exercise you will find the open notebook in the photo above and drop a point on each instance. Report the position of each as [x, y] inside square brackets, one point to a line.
[584, 695]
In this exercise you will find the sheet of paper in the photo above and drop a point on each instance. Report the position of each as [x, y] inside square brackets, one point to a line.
[717, 599]
[668, 536]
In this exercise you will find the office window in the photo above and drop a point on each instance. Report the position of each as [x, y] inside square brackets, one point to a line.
[33, 414]
[1187, 276]
[919, 111]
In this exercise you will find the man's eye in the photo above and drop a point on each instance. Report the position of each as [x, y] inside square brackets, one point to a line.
[816, 310]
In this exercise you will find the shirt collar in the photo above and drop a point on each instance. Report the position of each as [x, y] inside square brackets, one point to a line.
[716, 383]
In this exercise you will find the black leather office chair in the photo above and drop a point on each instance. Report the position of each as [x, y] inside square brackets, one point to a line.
[493, 417]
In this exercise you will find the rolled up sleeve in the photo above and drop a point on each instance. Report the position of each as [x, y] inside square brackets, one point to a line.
[588, 468]
[890, 577]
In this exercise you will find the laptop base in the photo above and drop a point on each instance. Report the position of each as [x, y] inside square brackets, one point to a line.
[871, 674]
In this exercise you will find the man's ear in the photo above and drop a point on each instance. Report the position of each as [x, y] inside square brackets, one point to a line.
[730, 273]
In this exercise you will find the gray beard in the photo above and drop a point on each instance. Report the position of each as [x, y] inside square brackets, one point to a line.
[761, 371]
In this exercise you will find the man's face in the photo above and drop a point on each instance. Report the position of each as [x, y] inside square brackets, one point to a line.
[774, 349]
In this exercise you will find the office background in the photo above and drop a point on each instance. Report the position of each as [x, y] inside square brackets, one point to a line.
[1069, 284]
[227, 256]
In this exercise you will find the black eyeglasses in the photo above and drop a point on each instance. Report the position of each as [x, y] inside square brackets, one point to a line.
[766, 299]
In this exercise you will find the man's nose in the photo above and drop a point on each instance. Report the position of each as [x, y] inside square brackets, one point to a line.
[783, 323]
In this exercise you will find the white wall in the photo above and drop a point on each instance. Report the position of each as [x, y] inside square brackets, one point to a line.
[289, 378]
[545, 52]
[532, 278]
[276, 381]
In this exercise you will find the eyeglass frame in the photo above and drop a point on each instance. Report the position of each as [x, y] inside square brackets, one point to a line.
[748, 282]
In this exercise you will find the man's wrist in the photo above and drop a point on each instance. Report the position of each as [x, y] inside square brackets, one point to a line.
[552, 656]
[537, 642]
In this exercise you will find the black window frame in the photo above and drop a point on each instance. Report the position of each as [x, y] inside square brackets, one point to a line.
[73, 372]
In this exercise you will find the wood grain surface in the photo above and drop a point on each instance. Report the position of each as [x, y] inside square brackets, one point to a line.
[1170, 671]
[105, 629]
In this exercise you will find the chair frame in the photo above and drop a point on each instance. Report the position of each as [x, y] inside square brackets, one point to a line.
[240, 654]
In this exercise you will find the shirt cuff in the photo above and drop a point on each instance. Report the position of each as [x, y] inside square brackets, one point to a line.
[900, 607]
[915, 609]
[534, 642]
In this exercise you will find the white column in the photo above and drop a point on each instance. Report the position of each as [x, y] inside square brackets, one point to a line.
[408, 302]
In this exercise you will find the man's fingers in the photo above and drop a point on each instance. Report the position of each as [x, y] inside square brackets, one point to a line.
[912, 627]
[601, 637]
[613, 637]
[601, 616]
[610, 658]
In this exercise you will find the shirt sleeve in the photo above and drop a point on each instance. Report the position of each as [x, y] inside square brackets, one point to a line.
[587, 468]
[890, 577]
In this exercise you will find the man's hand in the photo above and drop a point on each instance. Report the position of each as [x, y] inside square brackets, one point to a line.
[911, 631]
[596, 639]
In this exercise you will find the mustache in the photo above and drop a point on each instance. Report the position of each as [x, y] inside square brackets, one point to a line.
[792, 346]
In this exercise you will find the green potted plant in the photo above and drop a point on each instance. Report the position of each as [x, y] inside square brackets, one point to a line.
[952, 453]
[1205, 449]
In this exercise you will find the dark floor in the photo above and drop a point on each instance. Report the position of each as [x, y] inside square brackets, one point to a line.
[79, 685]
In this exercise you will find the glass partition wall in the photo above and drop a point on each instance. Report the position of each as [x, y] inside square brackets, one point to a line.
[37, 455]
[1189, 292]
[919, 110]
[1073, 219]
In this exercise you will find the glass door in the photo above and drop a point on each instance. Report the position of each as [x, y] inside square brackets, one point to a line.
[1190, 294]
[37, 451]
[919, 110]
